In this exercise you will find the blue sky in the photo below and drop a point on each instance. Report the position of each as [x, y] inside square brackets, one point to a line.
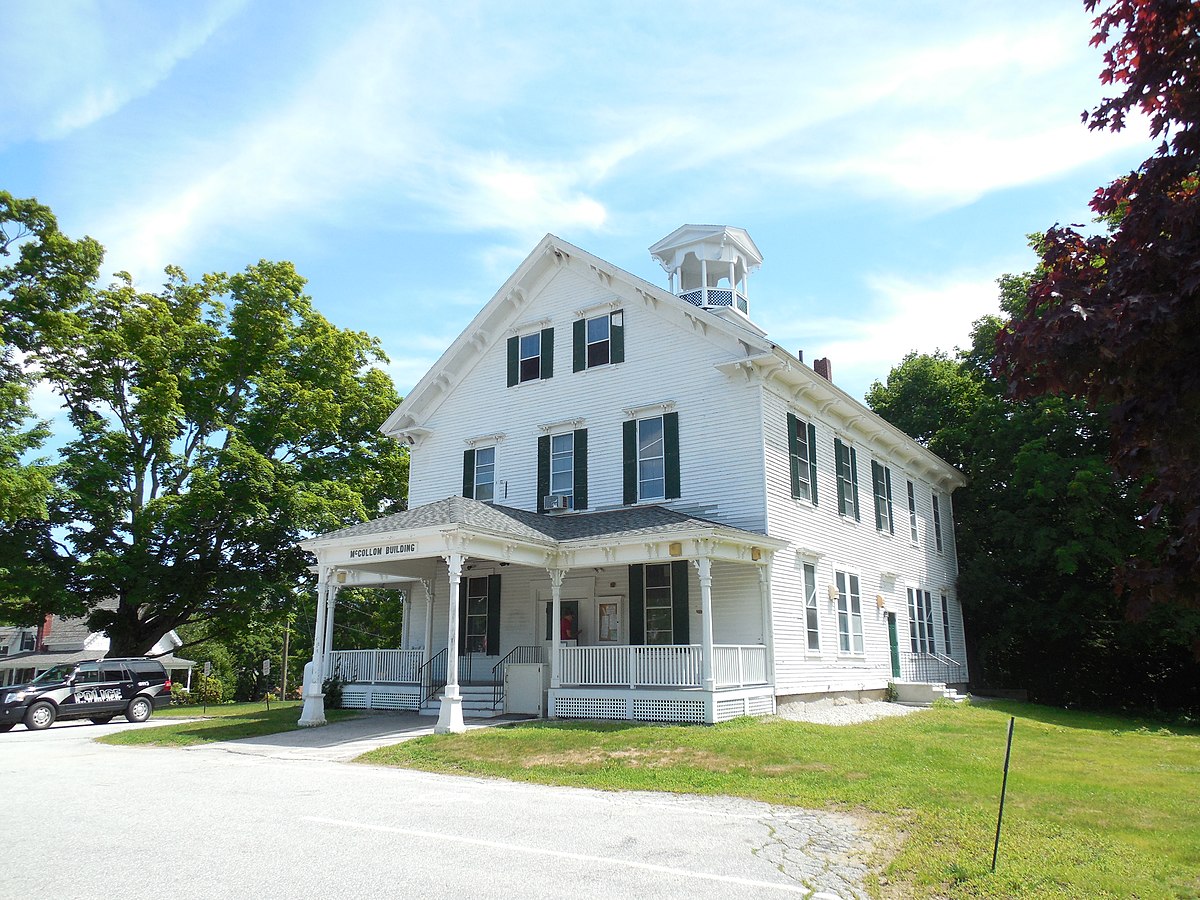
[887, 158]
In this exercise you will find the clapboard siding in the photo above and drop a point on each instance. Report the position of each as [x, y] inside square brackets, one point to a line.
[819, 535]
[665, 361]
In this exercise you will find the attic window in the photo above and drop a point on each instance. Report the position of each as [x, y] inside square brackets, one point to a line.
[598, 341]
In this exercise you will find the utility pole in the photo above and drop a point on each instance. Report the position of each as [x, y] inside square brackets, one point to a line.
[287, 632]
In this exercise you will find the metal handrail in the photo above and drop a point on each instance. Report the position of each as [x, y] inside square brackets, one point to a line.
[930, 667]
[427, 676]
[535, 656]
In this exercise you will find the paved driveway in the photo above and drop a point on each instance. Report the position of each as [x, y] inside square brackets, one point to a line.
[86, 820]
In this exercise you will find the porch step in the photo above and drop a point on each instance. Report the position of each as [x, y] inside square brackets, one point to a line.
[477, 702]
[923, 693]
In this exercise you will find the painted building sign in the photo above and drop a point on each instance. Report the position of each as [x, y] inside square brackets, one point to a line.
[385, 550]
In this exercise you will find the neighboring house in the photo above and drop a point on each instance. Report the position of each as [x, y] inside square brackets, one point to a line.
[636, 488]
[26, 652]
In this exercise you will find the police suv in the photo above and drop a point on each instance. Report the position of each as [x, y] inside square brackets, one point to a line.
[98, 691]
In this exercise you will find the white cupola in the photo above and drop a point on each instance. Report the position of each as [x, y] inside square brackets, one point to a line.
[709, 265]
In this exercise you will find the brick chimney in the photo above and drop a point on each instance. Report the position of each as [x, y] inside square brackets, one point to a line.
[43, 632]
[824, 368]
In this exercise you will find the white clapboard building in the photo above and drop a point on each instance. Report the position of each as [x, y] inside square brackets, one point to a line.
[626, 502]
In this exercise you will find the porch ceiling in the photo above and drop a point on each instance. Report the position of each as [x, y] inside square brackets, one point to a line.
[484, 531]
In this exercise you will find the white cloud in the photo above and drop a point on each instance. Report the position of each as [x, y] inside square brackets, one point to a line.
[79, 62]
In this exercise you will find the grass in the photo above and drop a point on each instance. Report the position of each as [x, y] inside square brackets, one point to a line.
[1098, 806]
[224, 709]
[225, 723]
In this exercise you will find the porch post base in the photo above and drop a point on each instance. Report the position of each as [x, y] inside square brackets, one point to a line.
[450, 718]
[710, 684]
[313, 712]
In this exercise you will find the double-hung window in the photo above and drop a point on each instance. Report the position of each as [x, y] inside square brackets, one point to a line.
[912, 513]
[802, 457]
[812, 619]
[562, 468]
[479, 473]
[946, 625]
[937, 523]
[920, 621]
[658, 603]
[479, 615]
[850, 622]
[531, 357]
[651, 458]
[846, 465]
[881, 481]
[598, 341]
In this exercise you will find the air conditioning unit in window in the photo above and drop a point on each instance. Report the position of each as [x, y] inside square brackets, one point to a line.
[556, 501]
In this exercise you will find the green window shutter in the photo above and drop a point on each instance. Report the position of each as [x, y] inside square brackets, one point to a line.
[839, 450]
[514, 360]
[547, 364]
[887, 490]
[812, 461]
[679, 602]
[579, 345]
[579, 499]
[793, 456]
[637, 605]
[629, 461]
[469, 473]
[854, 480]
[616, 337]
[671, 454]
[493, 625]
[462, 616]
[543, 472]
[877, 491]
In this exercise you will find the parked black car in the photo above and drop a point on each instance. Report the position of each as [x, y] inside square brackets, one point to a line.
[98, 691]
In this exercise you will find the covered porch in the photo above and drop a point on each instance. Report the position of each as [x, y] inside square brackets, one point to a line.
[639, 613]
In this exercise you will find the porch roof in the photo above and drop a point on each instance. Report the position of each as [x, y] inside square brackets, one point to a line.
[529, 537]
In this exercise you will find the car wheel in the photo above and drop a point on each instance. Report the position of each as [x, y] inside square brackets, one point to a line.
[139, 709]
[7, 726]
[40, 715]
[101, 720]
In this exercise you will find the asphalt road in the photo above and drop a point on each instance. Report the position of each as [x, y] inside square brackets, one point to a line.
[85, 820]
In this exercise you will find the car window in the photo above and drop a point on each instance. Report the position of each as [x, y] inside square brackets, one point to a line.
[89, 673]
[112, 672]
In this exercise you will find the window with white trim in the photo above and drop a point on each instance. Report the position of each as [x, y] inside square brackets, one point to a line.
[477, 615]
[920, 621]
[562, 464]
[485, 473]
[651, 459]
[881, 486]
[529, 360]
[912, 513]
[660, 623]
[812, 618]
[845, 463]
[598, 341]
[850, 621]
[946, 624]
[937, 523]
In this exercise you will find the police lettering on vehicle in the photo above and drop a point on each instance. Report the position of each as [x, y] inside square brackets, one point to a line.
[98, 695]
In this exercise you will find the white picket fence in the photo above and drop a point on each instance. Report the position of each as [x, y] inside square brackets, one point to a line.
[375, 666]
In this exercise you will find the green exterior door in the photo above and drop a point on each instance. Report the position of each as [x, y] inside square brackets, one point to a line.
[895, 645]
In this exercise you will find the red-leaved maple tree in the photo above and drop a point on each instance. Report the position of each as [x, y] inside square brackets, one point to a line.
[1115, 318]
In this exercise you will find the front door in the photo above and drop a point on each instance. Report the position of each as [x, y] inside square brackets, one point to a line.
[570, 630]
[894, 642]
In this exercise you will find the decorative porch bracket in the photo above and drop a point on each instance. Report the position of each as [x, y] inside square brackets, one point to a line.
[450, 718]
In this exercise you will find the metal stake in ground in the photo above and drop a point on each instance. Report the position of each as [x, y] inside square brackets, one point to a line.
[1003, 789]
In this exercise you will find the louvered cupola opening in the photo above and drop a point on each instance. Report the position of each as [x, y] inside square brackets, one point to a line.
[709, 265]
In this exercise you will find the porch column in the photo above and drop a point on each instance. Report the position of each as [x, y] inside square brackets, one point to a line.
[556, 580]
[406, 624]
[313, 712]
[330, 607]
[450, 719]
[768, 620]
[704, 569]
[427, 583]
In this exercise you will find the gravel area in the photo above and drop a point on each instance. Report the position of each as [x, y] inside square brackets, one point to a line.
[842, 711]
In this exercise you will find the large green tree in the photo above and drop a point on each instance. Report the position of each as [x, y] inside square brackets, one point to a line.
[1113, 318]
[1041, 525]
[39, 266]
[215, 423]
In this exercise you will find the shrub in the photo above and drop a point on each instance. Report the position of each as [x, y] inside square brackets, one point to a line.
[208, 689]
[333, 692]
[180, 696]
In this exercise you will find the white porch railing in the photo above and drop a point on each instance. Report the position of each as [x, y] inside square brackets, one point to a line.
[653, 666]
[376, 666]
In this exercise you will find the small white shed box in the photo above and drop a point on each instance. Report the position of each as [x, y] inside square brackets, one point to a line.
[525, 686]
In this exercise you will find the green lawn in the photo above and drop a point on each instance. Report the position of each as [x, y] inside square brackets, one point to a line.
[225, 723]
[224, 709]
[1098, 806]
